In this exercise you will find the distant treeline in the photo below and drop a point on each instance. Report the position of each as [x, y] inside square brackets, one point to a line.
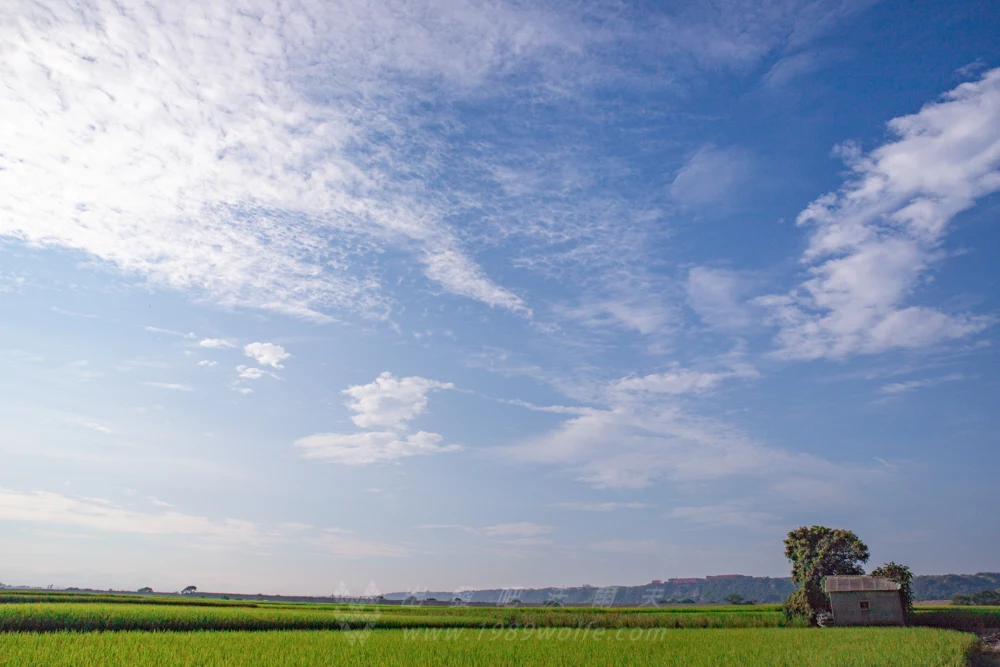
[759, 589]
[947, 586]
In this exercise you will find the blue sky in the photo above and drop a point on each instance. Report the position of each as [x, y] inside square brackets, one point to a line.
[315, 296]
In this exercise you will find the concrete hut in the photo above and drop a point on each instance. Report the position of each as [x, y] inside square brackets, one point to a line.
[864, 600]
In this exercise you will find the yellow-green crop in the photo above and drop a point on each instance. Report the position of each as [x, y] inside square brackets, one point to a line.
[883, 647]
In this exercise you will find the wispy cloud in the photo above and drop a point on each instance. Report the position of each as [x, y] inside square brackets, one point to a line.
[896, 388]
[711, 176]
[251, 373]
[73, 313]
[330, 137]
[209, 186]
[168, 332]
[216, 343]
[357, 449]
[101, 514]
[83, 422]
[22, 356]
[731, 514]
[680, 381]
[172, 386]
[53, 508]
[646, 433]
[720, 297]
[798, 65]
[525, 533]
[599, 507]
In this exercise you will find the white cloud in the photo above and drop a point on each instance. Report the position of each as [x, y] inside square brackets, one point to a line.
[267, 354]
[251, 373]
[216, 343]
[207, 363]
[456, 272]
[710, 176]
[44, 507]
[156, 502]
[719, 297]
[371, 447]
[168, 332]
[599, 507]
[679, 381]
[874, 239]
[173, 386]
[390, 402]
[894, 388]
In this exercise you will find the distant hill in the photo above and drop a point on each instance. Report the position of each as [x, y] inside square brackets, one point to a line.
[700, 590]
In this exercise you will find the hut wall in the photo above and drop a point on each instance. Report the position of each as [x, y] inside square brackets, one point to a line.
[884, 608]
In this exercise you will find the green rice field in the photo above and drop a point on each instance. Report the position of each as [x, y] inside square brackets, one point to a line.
[636, 646]
[51, 628]
[86, 617]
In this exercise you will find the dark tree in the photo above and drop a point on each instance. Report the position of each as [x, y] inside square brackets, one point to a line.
[987, 597]
[902, 576]
[189, 590]
[145, 589]
[815, 553]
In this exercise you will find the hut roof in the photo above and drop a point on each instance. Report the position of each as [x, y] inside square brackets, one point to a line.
[842, 584]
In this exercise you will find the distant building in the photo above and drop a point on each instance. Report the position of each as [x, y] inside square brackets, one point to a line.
[656, 581]
[688, 580]
[863, 600]
[726, 576]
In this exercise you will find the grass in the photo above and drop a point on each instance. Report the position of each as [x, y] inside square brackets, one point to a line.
[99, 616]
[546, 646]
[55, 597]
[966, 619]
[52, 628]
